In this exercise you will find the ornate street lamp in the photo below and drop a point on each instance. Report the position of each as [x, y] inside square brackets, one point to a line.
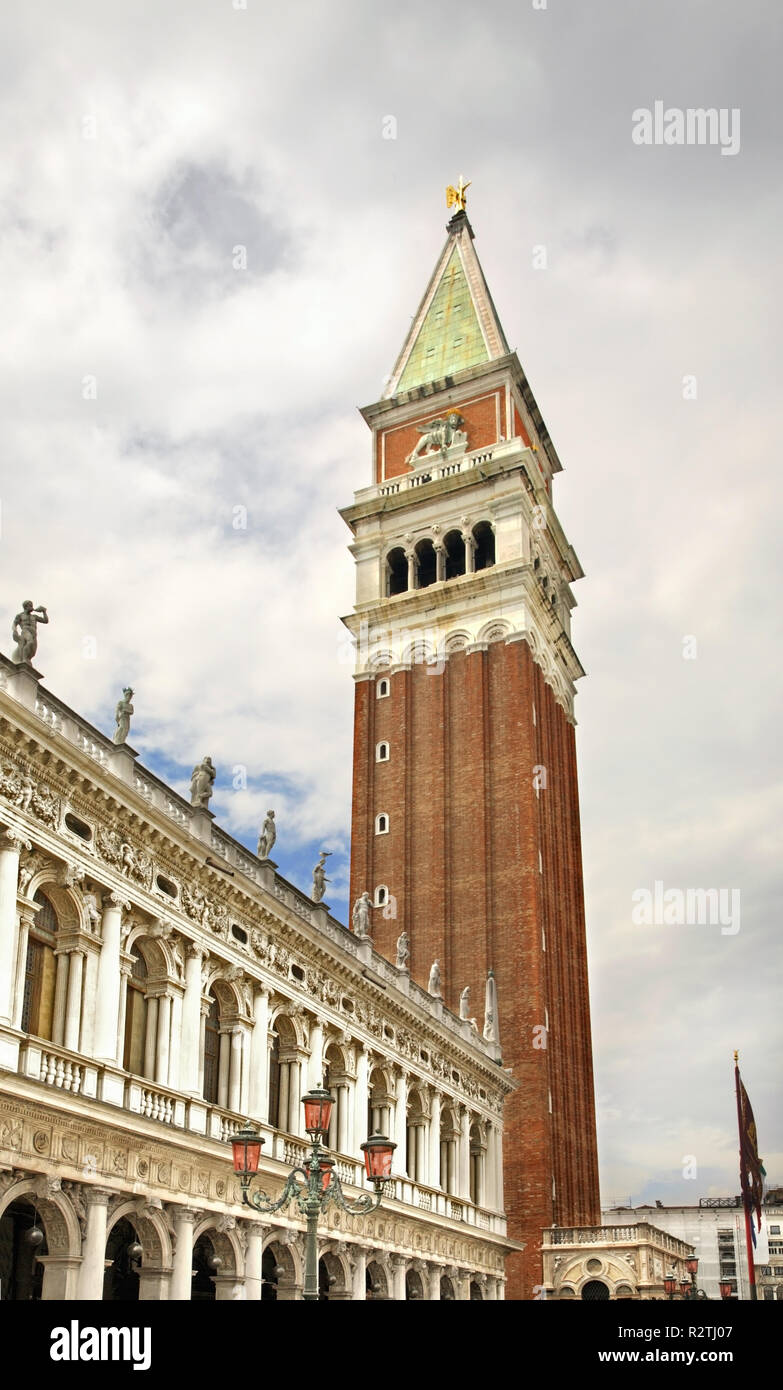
[670, 1284]
[725, 1288]
[315, 1184]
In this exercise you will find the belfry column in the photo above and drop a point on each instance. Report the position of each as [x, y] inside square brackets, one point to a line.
[10, 847]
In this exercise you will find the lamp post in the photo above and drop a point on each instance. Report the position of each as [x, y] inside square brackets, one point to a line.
[725, 1287]
[315, 1184]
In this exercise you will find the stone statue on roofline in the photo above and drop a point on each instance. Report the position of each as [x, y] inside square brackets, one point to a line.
[319, 876]
[360, 917]
[24, 631]
[122, 716]
[267, 837]
[434, 986]
[464, 1003]
[403, 951]
[202, 783]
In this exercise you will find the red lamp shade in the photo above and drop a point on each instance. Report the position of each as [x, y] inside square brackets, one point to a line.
[670, 1284]
[378, 1152]
[692, 1265]
[318, 1110]
[246, 1146]
[725, 1288]
[685, 1288]
[325, 1166]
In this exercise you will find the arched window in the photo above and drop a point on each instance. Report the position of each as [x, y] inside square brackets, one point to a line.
[382, 824]
[381, 896]
[449, 1151]
[136, 1015]
[40, 972]
[427, 568]
[454, 546]
[416, 1137]
[381, 752]
[396, 572]
[336, 1081]
[484, 538]
[383, 688]
[211, 1051]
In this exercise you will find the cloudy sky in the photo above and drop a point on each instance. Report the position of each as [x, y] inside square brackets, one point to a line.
[211, 251]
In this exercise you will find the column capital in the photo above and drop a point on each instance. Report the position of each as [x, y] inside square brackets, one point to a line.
[13, 841]
[97, 1196]
[184, 1216]
[113, 899]
[192, 950]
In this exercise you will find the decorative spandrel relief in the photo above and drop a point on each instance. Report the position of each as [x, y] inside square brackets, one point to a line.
[36, 798]
[134, 863]
[31, 863]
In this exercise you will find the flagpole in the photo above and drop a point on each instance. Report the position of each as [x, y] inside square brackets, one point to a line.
[743, 1183]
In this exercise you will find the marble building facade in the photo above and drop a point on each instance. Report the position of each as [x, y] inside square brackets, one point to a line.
[159, 984]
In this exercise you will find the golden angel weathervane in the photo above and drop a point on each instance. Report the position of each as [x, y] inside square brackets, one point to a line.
[455, 197]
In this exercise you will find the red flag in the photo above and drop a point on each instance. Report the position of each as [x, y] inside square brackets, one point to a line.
[752, 1172]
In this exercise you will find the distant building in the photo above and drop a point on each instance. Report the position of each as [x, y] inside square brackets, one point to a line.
[716, 1229]
[621, 1261]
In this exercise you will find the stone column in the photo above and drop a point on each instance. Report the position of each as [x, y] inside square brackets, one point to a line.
[151, 1035]
[235, 1071]
[360, 1097]
[185, 1219]
[295, 1110]
[359, 1273]
[164, 1039]
[315, 1070]
[491, 1290]
[60, 997]
[224, 1066]
[253, 1257]
[175, 1043]
[282, 1101]
[421, 1173]
[440, 560]
[434, 1177]
[433, 1278]
[399, 1163]
[463, 1160]
[470, 552]
[107, 1001]
[125, 970]
[89, 1002]
[258, 1100]
[398, 1264]
[190, 1039]
[499, 1197]
[202, 1037]
[10, 847]
[27, 914]
[94, 1245]
[73, 1007]
[343, 1118]
[61, 1277]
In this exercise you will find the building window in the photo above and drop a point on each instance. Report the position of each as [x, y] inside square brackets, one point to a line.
[426, 564]
[381, 896]
[484, 538]
[396, 572]
[136, 1015]
[382, 824]
[454, 546]
[381, 752]
[383, 688]
[78, 827]
[40, 972]
[211, 1051]
[774, 1230]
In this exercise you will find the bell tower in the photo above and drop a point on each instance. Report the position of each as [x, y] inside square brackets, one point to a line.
[465, 828]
